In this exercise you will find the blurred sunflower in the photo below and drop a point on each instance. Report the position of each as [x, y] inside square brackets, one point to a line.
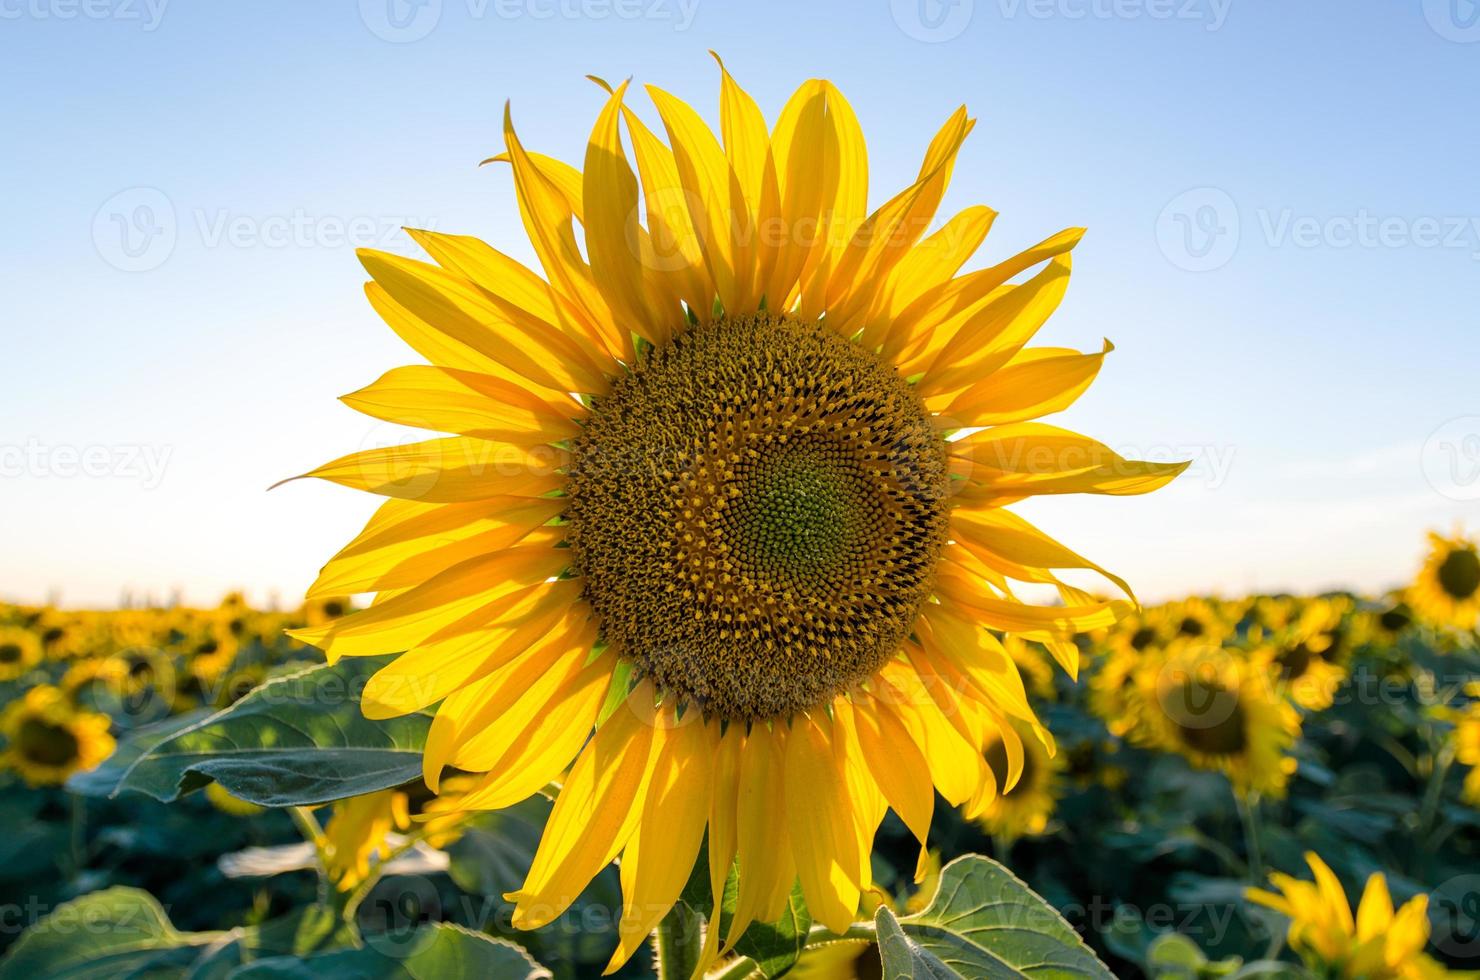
[1024, 809]
[358, 833]
[1447, 590]
[1377, 944]
[218, 796]
[1467, 743]
[748, 536]
[20, 650]
[1307, 662]
[1221, 714]
[48, 739]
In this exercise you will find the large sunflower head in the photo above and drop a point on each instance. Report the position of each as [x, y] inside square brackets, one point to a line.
[48, 739]
[733, 467]
[1220, 712]
[1447, 590]
[20, 650]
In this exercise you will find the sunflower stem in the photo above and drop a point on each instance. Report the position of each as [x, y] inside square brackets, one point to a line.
[1248, 812]
[677, 943]
[1433, 794]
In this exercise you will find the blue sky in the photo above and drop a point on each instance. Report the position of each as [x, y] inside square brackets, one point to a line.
[1284, 246]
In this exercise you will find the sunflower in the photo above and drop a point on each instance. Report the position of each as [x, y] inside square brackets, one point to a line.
[1467, 743]
[220, 798]
[1307, 662]
[1220, 713]
[1447, 590]
[20, 650]
[1023, 808]
[1378, 944]
[727, 487]
[359, 832]
[49, 739]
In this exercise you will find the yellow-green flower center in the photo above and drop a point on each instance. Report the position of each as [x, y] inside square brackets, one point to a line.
[1459, 573]
[757, 509]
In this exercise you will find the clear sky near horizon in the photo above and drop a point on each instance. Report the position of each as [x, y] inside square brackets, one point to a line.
[1284, 245]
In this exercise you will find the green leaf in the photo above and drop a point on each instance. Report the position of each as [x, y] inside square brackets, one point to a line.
[439, 950]
[112, 933]
[297, 740]
[775, 946]
[103, 781]
[982, 923]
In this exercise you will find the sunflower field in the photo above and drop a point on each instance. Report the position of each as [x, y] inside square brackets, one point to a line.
[1278, 786]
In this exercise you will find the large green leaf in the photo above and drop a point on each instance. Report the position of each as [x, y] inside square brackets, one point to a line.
[296, 740]
[103, 781]
[984, 923]
[112, 933]
[428, 953]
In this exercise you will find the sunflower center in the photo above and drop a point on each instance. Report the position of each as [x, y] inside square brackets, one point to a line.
[9, 653]
[46, 744]
[1459, 575]
[1207, 716]
[756, 510]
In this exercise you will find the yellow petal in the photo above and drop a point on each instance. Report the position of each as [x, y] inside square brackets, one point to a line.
[988, 338]
[992, 534]
[406, 542]
[797, 156]
[891, 231]
[532, 349]
[715, 200]
[927, 266]
[594, 815]
[675, 254]
[660, 857]
[428, 673]
[767, 870]
[517, 291]
[612, 228]
[1030, 386]
[446, 600]
[1008, 462]
[540, 733]
[942, 309]
[843, 163]
[820, 824]
[448, 470]
[466, 404]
